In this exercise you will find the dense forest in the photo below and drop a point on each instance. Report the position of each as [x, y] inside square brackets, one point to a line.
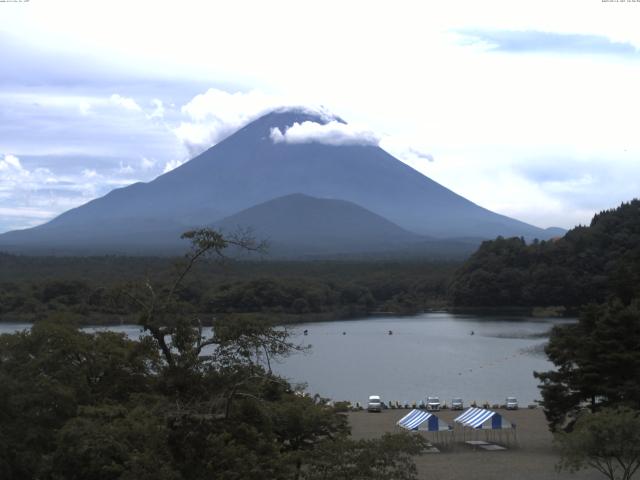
[95, 289]
[589, 264]
[176, 404]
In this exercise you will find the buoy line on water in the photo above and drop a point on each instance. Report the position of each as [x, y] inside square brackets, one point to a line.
[499, 361]
[491, 364]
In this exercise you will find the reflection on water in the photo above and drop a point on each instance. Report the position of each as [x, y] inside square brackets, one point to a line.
[429, 354]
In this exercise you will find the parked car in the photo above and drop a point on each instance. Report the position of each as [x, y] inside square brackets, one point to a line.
[374, 404]
[433, 403]
[456, 404]
[511, 403]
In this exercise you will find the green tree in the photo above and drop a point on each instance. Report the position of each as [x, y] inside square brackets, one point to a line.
[597, 363]
[608, 441]
[127, 441]
[377, 459]
[301, 423]
[176, 404]
[48, 373]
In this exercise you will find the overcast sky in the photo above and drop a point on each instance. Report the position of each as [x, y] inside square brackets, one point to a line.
[528, 108]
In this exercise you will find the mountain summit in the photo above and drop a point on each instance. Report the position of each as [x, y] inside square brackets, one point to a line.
[247, 169]
[299, 225]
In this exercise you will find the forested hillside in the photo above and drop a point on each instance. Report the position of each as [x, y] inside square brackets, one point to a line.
[94, 289]
[589, 264]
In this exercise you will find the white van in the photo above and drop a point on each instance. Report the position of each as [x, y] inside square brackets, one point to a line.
[511, 403]
[433, 403]
[374, 404]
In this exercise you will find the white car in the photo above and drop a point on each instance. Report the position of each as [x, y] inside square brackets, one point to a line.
[511, 403]
[433, 403]
[374, 404]
[457, 404]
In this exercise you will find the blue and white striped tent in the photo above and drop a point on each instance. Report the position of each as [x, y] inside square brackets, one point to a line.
[423, 421]
[479, 418]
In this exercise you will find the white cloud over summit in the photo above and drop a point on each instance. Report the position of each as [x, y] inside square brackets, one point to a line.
[330, 133]
[211, 116]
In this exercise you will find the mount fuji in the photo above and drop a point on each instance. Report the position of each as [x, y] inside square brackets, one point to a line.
[386, 205]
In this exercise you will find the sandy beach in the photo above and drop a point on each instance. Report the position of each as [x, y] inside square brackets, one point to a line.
[532, 458]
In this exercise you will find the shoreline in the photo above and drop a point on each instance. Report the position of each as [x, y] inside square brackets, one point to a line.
[533, 458]
[279, 319]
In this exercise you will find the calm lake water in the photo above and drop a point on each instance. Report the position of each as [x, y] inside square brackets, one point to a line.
[428, 354]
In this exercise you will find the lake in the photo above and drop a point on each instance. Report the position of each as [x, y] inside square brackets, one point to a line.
[428, 354]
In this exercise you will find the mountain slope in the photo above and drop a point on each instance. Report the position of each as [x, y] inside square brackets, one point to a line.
[247, 169]
[308, 225]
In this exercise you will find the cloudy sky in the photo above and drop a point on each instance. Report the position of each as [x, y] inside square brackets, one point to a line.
[529, 108]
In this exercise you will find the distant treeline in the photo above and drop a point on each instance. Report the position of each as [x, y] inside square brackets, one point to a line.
[588, 265]
[96, 289]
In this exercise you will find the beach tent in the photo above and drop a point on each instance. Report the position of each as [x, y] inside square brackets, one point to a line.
[492, 423]
[423, 421]
[481, 418]
[427, 422]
